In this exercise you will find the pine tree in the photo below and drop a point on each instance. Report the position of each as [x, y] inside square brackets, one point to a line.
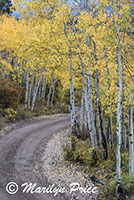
[5, 6]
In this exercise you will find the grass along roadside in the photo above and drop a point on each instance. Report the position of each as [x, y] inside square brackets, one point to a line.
[102, 172]
[10, 115]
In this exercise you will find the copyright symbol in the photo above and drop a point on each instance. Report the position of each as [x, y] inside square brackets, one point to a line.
[12, 188]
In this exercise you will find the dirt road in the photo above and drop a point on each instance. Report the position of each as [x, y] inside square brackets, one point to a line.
[17, 158]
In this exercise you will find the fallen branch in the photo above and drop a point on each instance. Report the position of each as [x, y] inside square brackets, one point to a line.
[96, 180]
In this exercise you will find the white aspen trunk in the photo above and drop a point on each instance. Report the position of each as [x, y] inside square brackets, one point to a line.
[53, 93]
[91, 107]
[119, 138]
[50, 91]
[124, 130]
[44, 88]
[82, 110]
[27, 89]
[36, 91]
[85, 115]
[131, 134]
[36, 83]
[131, 148]
[124, 119]
[92, 136]
[110, 130]
[72, 98]
[30, 90]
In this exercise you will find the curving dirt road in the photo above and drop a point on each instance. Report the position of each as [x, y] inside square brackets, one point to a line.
[17, 157]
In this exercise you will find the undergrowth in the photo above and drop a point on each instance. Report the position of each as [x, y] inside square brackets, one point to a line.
[92, 162]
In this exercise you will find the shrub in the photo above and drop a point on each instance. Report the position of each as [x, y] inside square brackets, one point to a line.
[10, 114]
[22, 113]
[61, 107]
[9, 94]
[110, 189]
[82, 152]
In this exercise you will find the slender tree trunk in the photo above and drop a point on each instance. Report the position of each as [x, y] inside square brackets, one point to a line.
[101, 121]
[131, 142]
[85, 115]
[27, 89]
[39, 91]
[110, 130]
[91, 107]
[50, 91]
[118, 154]
[124, 130]
[97, 114]
[92, 135]
[30, 90]
[36, 91]
[101, 130]
[112, 135]
[44, 88]
[82, 110]
[124, 119]
[131, 134]
[21, 75]
[53, 93]
[35, 84]
[72, 98]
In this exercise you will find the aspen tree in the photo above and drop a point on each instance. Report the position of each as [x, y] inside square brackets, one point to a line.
[37, 84]
[82, 110]
[131, 134]
[119, 137]
[91, 106]
[30, 89]
[50, 90]
[72, 97]
[27, 89]
[53, 92]
[44, 87]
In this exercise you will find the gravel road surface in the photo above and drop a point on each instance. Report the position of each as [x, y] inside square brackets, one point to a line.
[17, 158]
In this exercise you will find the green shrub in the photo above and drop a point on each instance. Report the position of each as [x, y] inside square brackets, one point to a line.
[125, 161]
[82, 152]
[22, 113]
[61, 107]
[110, 189]
[10, 114]
[9, 94]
